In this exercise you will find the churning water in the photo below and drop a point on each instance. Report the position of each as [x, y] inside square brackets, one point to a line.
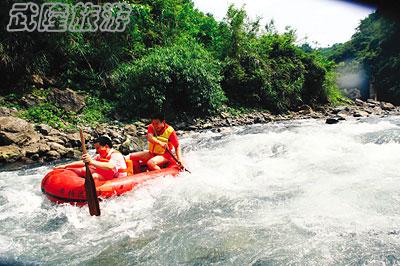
[293, 193]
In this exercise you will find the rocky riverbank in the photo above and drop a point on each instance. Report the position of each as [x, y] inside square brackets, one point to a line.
[24, 142]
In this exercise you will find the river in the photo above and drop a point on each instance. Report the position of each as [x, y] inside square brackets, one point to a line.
[288, 193]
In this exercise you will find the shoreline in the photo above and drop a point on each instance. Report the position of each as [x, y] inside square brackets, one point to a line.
[28, 144]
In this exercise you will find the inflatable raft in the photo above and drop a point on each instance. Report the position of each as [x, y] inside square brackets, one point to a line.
[65, 186]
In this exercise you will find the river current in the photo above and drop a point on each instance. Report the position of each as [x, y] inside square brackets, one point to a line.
[288, 193]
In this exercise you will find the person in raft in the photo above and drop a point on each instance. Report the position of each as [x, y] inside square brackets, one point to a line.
[106, 165]
[160, 136]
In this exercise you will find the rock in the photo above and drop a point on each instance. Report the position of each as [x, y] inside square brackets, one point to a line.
[340, 109]
[68, 99]
[180, 125]
[359, 102]
[44, 129]
[130, 130]
[373, 102]
[14, 130]
[332, 120]
[360, 113]
[305, 109]
[259, 120]
[14, 124]
[10, 153]
[74, 140]
[56, 146]
[387, 106]
[129, 146]
[4, 111]
[36, 79]
[53, 155]
[35, 148]
[29, 101]
[55, 139]
[32, 149]
[225, 115]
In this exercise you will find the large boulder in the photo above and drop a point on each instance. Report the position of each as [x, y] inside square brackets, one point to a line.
[10, 153]
[14, 130]
[387, 106]
[68, 99]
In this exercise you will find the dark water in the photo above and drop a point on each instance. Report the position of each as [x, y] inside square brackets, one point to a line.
[296, 193]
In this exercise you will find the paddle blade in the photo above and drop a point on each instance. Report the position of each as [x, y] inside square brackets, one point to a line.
[90, 187]
[91, 194]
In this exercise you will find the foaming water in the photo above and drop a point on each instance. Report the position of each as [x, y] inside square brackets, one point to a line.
[299, 192]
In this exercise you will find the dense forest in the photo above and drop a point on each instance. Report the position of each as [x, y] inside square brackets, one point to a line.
[175, 59]
[375, 51]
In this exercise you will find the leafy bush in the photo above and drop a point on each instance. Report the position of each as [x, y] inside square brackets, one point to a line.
[96, 111]
[181, 78]
[48, 113]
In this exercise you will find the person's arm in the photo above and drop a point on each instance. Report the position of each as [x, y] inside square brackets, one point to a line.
[102, 165]
[178, 153]
[73, 165]
[152, 139]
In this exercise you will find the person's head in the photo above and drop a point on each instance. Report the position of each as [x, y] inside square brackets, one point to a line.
[158, 121]
[103, 145]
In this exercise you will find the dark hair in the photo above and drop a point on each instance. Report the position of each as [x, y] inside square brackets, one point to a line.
[104, 140]
[158, 116]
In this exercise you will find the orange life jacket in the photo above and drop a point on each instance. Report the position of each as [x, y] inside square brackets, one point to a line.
[129, 164]
[164, 137]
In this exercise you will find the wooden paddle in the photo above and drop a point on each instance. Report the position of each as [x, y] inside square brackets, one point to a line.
[176, 160]
[91, 195]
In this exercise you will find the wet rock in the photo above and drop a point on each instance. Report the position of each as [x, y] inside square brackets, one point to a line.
[10, 153]
[52, 155]
[4, 111]
[130, 130]
[68, 99]
[29, 101]
[305, 109]
[333, 120]
[55, 138]
[373, 102]
[360, 113]
[44, 129]
[359, 102]
[387, 106]
[225, 115]
[14, 130]
[37, 80]
[74, 140]
[14, 124]
[129, 145]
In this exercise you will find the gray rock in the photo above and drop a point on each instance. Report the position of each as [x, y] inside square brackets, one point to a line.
[14, 130]
[373, 102]
[10, 153]
[68, 99]
[387, 106]
[130, 130]
[44, 129]
[359, 102]
[332, 120]
[360, 113]
[53, 155]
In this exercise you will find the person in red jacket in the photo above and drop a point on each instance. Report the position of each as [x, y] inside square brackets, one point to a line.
[160, 136]
[106, 165]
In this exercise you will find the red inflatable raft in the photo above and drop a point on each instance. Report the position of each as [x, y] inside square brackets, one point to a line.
[65, 186]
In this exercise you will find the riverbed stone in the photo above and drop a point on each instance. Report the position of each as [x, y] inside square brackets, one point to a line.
[67, 99]
[387, 106]
[10, 153]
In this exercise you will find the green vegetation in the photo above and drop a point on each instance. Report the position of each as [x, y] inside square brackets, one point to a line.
[171, 58]
[375, 49]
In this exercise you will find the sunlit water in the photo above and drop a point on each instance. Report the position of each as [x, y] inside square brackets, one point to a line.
[295, 193]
